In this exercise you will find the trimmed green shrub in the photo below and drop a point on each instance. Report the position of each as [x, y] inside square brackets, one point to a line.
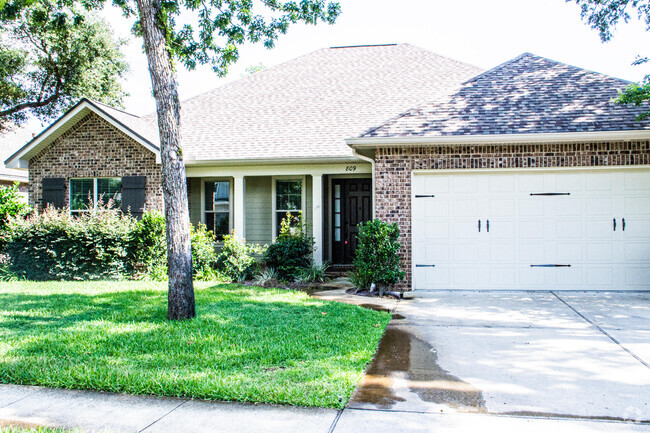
[204, 257]
[376, 258]
[292, 250]
[53, 245]
[236, 261]
[148, 248]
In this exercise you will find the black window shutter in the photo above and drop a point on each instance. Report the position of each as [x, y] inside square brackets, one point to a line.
[54, 192]
[134, 195]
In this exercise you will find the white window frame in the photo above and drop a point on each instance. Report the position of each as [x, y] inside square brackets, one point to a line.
[94, 179]
[303, 198]
[230, 199]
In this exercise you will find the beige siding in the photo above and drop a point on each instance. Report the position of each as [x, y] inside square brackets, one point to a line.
[194, 187]
[258, 210]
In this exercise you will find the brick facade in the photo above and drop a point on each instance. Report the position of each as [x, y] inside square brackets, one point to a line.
[95, 148]
[394, 165]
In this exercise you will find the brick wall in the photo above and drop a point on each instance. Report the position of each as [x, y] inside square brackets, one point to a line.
[94, 148]
[394, 165]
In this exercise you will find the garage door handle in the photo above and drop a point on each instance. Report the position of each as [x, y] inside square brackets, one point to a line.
[479, 226]
[614, 223]
[487, 225]
[623, 221]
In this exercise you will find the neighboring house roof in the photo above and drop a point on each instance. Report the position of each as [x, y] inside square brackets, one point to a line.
[10, 141]
[527, 95]
[135, 127]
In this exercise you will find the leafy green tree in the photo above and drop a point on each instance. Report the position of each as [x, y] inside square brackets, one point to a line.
[604, 16]
[220, 27]
[251, 69]
[211, 34]
[52, 54]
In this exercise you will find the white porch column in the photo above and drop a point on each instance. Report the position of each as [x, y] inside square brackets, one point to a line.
[239, 224]
[317, 216]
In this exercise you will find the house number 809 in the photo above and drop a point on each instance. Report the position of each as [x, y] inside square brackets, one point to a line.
[351, 168]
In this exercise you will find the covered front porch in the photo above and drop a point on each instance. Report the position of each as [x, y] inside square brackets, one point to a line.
[252, 200]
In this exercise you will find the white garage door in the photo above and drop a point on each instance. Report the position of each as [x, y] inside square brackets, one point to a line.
[552, 230]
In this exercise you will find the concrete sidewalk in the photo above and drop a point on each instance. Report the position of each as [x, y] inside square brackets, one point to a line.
[105, 412]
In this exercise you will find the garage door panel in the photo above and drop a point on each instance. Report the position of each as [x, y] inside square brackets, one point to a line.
[636, 181]
[466, 277]
[551, 229]
[436, 207]
[636, 206]
[465, 208]
[569, 252]
[637, 276]
[501, 184]
[569, 207]
[638, 252]
[531, 278]
[635, 228]
[464, 184]
[502, 277]
[568, 229]
[530, 253]
[437, 230]
[531, 207]
[598, 206]
[600, 252]
[532, 230]
[599, 182]
[503, 252]
[503, 207]
[465, 252]
[599, 277]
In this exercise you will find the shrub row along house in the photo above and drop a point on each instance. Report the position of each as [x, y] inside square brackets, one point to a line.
[526, 176]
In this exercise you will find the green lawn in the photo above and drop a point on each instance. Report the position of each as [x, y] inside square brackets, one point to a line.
[247, 343]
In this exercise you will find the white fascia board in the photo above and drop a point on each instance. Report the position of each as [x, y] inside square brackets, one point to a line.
[459, 140]
[272, 161]
[20, 159]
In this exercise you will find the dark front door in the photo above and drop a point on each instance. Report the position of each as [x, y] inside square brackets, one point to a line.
[351, 205]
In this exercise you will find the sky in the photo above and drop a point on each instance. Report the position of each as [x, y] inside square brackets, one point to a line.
[479, 32]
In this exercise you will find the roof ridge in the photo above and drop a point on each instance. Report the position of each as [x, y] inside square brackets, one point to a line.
[497, 67]
[529, 54]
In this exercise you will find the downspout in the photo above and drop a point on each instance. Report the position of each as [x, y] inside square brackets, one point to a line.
[372, 162]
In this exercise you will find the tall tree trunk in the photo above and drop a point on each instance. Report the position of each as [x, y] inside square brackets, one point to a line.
[179, 252]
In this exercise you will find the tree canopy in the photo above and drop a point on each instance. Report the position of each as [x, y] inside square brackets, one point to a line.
[52, 54]
[604, 16]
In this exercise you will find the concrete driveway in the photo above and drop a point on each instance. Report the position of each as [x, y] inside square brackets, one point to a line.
[531, 354]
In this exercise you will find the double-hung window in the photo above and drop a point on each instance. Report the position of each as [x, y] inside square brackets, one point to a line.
[217, 207]
[86, 193]
[288, 198]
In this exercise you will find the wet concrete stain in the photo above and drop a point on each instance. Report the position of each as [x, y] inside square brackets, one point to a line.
[395, 316]
[404, 359]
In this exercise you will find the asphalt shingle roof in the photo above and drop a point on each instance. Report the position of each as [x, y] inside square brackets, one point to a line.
[529, 94]
[307, 107]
